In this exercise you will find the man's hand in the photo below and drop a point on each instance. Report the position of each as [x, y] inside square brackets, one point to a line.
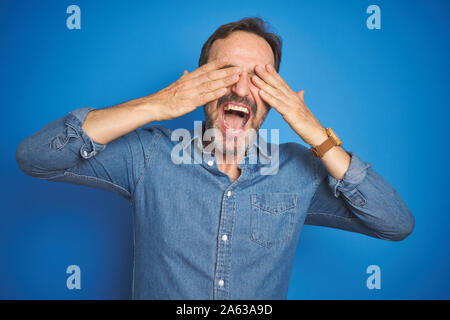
[276, 92]
[192, 90]
[205, 84]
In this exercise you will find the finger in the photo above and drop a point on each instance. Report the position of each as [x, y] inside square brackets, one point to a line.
[185, 73]
[209, 85]
[270, 78]
[214, 75]
[271, 70]
[271, 100]
[264, 86]
[210, 96]
[301, 94]
[210, 66]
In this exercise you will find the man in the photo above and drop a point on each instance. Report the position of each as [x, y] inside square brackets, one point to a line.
[222, 228]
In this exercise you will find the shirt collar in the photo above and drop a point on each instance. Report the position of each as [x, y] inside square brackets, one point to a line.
[254, 149]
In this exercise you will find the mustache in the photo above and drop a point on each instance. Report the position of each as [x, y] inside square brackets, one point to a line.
[235, 98]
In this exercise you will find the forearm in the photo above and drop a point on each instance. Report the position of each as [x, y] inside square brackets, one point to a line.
[106, 125]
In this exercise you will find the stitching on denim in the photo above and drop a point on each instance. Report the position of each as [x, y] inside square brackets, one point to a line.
[147, 160]
[332, 215]
[255, 203]
[134, 247]
[68, 125]
[272, 212]
[230, 247]
[347, 186]
[95, 179]
[272, 244]
[356, 198]
[58, 142]
[63, 137]
[316, 189]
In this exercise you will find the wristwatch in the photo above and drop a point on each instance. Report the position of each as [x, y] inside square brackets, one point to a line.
[332, 141]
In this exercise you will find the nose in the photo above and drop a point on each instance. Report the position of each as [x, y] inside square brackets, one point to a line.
[242, 87]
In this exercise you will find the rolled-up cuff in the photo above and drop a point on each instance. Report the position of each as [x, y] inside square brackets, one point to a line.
[355, 174]
[74, 121]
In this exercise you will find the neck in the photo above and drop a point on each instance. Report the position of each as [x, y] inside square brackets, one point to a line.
[228, 164]
[230, 168]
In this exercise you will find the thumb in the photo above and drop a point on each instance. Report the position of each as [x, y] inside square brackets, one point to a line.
[185, 72]
[301, 94]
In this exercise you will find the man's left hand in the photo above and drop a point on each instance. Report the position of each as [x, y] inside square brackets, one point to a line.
[291, 105]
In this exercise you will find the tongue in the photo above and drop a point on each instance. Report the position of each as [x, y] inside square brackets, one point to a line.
[234, 121]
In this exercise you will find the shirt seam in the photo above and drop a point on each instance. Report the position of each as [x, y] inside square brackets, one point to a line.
[68, 173]
[146, 162]
[332, 215]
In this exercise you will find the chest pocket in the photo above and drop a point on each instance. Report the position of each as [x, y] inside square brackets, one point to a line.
[272, 218]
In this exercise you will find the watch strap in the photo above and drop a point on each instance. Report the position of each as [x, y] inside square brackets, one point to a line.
[332, 141]
[320, 150]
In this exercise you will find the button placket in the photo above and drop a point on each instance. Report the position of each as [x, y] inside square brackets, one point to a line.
[223, 262]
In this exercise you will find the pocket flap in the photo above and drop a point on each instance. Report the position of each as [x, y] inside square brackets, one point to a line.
[275, 203]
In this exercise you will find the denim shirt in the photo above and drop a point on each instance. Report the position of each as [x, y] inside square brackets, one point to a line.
[197, 234]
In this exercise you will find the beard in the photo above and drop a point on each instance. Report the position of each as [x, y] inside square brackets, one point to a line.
[227, 144]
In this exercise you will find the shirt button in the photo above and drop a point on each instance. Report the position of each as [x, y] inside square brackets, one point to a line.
[210, 163]
[229, 193]
[85, 153]
[224, 237]
[221, 283]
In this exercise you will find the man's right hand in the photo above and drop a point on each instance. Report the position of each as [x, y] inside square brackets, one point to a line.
[192, 90]
[203, 85]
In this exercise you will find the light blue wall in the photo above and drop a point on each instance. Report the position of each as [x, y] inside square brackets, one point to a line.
[385, 92]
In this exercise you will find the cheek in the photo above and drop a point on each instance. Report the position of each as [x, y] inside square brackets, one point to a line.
[210, 109]
[211, 106]
[256, 97]
[260, 103]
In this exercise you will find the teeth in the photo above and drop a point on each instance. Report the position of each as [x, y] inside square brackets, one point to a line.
[235, 108]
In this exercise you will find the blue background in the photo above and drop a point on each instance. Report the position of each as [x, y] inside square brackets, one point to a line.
[386, 93]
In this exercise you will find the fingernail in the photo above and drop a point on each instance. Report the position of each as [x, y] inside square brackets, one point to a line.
[258, 68]
[269, 68]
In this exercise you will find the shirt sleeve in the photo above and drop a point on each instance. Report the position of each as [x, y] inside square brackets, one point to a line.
[362, 202]
[62, 151]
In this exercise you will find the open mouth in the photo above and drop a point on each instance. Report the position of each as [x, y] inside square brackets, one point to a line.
[235, 117]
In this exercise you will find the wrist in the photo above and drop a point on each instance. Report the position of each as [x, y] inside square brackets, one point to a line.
[153, 109]
[319, 137]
